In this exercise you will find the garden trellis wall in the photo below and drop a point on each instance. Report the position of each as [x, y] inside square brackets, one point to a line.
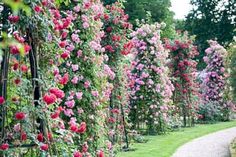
[6, 84]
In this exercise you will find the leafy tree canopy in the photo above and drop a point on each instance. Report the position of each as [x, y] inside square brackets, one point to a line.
[159, 9]
[108, 2]
[211, 19]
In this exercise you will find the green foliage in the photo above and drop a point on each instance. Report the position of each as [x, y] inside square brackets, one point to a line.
[210, 112]
[232, 66]
[211, 19]
[108, 2]
[17, 6]
[179, 24]
[159, 9]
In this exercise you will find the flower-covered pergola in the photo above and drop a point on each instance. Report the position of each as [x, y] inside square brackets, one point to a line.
[151, 88]
[183, 67]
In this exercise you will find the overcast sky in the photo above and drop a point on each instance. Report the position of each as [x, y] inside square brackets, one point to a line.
[181, 8]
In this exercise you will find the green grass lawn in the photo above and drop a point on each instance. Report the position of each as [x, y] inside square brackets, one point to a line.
[166, 145]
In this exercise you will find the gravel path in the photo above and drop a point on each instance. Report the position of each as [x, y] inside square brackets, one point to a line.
[212, 145]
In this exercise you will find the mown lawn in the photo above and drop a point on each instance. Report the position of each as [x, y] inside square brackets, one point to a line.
[166, 145]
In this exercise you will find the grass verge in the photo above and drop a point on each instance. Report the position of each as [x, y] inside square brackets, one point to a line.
[166, 145]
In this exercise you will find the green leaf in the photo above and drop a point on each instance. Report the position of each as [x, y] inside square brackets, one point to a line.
[17, 6]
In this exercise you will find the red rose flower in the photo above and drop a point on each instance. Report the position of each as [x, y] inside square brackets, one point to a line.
[20, 115]
[56, 14]
[115, 111]
[65, 55]
[177, 85]
[85, 147]
[66, 23]
[44, 2]
[106, 17]
[127, 48]
[126, 25]
[23, 136]
[184, 91]
[44, 147]
[14, 50]
[27, 48]
[108, 29]
[38, 9]
[64, 80]
[200, 116]
[19, 38]
[73, 128]
[17, 81]
[59, 93]
[64, 35]
[174, 48]
[63, 44]
[119, 97]
[4, 146]
[87, 5]
[184, 45]
[100, 153]
[111, 120]
[40, 137]
[82, 128]
[55, 115]
[124, 52]
[24, 68]
[13, 18]
[15, 66]
[77, 154]
[109, 48]
[2, 100]
[49, 136]
[116, 38]
[49, 99]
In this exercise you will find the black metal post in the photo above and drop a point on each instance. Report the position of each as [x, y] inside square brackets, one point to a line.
[34, 74]
[4, 73]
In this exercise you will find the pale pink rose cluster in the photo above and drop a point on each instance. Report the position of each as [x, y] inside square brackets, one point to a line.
[149, 75]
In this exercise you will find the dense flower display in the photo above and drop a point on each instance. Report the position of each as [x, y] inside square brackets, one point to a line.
[76, 79]
[117, 46]
[183, 69]
[214, 81]
[151, 87]
[22, 115]
[80, 74]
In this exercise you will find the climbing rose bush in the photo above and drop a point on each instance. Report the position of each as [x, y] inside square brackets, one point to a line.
[214, 81]
[151, 88]
[117, 47]
[81, 76]
[24, 115]
[26, 121]
[117, 29]
[183, 68]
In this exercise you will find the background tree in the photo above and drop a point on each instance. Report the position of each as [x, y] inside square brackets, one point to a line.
[211, 19]
[108, 2]
[179, 24]
[159, 9]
